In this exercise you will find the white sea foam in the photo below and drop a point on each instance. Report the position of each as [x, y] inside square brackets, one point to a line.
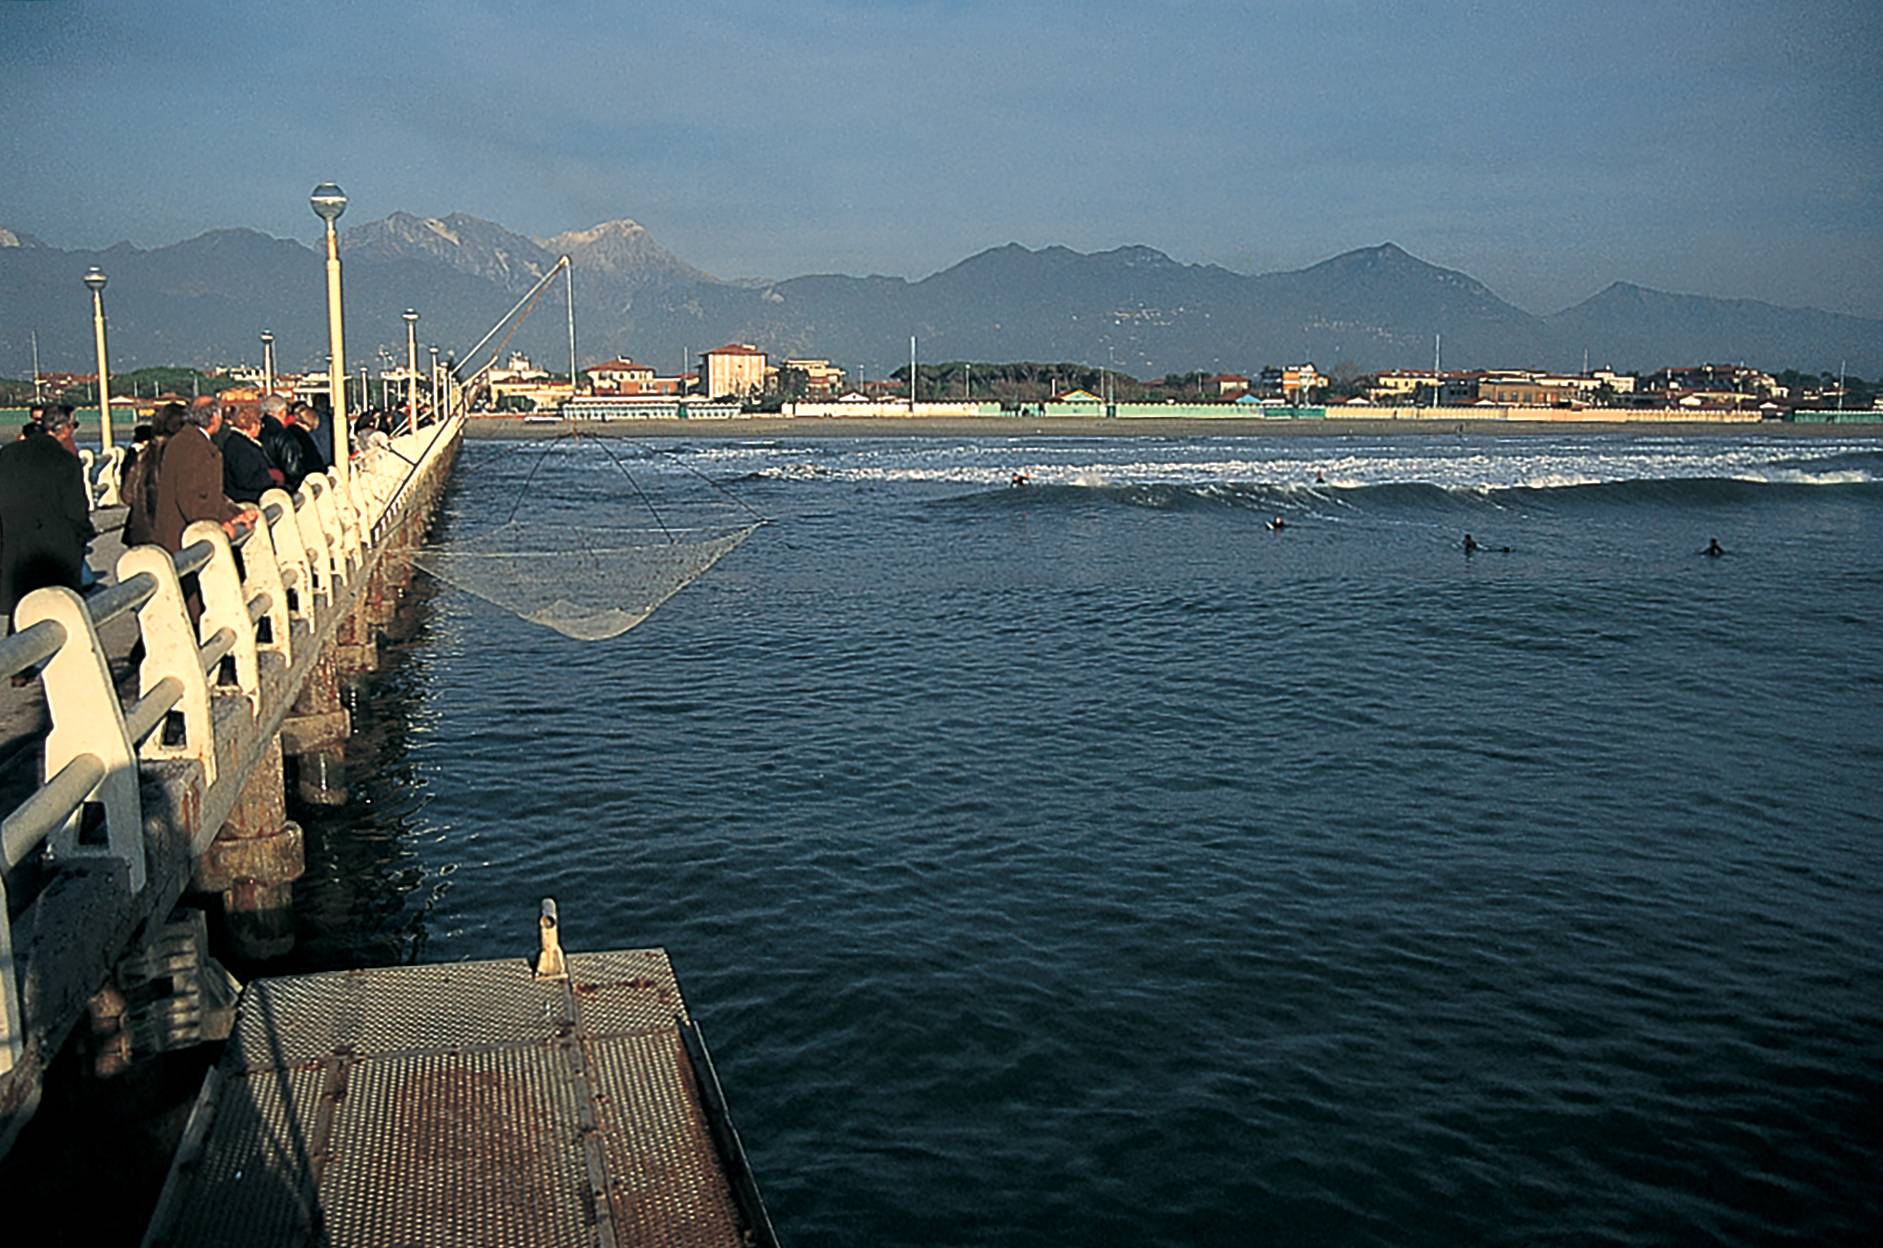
[1480, 464]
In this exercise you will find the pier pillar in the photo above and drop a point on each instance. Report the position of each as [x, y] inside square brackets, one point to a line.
[254, 861]
[315, 734]
[356, 643]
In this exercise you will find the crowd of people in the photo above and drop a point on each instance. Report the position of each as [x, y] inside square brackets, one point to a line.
[206, 460]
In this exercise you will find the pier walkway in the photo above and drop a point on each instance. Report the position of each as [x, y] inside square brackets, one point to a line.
[168, 779]
[472, 1103]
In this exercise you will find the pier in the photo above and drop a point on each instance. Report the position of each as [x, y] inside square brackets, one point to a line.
[173, 782]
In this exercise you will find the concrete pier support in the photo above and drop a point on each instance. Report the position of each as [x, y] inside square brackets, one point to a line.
[356, 643]
[315, 734]
[254, 861]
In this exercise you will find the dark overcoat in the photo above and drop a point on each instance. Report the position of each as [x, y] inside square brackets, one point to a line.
[189, 487]
[44, 522]
[244, 469]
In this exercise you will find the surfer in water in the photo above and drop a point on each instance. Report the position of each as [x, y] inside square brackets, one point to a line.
[1020, 480]
[1277, 525]
[1320, 478]
[1713, 549]
[1471, 545]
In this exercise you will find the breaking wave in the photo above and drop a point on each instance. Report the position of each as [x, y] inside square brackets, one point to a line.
[1557, 493]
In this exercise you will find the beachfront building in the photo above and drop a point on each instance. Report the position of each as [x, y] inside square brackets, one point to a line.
[1301, 382]
[1524, 390]
[735, 371]
[621, 376]
[1401, 386]
[518, 369]
[605, 407]
[1229, 386]
[822, 379]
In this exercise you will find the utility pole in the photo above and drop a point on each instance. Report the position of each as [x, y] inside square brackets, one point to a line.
[1840, 384]
[38, 385]
[911, 374]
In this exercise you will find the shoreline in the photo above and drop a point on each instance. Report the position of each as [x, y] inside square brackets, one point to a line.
[510, 429]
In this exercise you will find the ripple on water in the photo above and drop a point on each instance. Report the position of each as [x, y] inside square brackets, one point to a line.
[1088, 865]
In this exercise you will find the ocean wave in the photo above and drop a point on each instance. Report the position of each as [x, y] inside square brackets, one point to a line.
[1547, 492]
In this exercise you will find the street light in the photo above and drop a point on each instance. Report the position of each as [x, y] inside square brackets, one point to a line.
[95, 281]
[328, 202]
[411, 371]
[436, 417]
[268, 362]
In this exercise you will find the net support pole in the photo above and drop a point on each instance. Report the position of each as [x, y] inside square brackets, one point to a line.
[568, 274]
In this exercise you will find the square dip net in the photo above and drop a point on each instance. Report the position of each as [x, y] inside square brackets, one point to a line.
[596, 537]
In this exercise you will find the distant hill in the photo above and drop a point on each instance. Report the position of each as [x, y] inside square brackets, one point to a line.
[1693, 329]
[206, 299]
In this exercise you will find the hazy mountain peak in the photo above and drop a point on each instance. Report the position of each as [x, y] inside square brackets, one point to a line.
[622, 249]
[1138, 255]
[17, 238]
[466, 243]
[623, 230]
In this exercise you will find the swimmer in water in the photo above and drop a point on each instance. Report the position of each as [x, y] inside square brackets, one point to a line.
[1020, 479]
[1471, 544]
[1277, 525]
[1319, 478]
[1713, 549]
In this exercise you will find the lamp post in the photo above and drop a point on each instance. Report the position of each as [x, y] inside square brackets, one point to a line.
[436, 406]
[268, 362]
[329, 202]
[411, 371]
[95, 281]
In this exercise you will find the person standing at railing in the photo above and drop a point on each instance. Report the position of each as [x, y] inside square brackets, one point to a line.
[319, 435]
[140, 484]
[189, 481]
[274, 437]
[45, 523]
[245, 476]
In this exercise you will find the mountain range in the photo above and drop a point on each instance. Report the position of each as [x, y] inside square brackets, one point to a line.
[205, 301]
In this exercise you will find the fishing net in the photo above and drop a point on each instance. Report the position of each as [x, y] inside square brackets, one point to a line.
[565, 560]
[587, 594]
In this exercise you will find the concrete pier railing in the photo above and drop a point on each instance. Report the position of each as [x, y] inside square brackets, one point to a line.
[100, 468]
[180, 788]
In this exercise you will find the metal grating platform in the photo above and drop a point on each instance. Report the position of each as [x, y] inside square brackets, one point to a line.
[465, 1104]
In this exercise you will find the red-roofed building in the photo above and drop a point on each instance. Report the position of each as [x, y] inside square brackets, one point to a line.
[620, 376]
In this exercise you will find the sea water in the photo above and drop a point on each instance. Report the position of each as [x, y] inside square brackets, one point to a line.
[1087, 863]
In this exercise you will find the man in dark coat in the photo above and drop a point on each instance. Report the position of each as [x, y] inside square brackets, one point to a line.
[245, 475]
[44, 520]
[290, 452]
[189, 481]
[274, 436]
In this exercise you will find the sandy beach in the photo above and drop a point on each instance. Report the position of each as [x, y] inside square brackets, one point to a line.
[1072, 427]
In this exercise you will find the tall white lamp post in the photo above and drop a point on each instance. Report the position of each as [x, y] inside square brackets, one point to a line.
[329, 201]
[95, 282]
[411, 371]
[268, 362]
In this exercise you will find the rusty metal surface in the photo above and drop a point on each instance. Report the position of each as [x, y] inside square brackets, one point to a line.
[660, 1193]
[463, 1104]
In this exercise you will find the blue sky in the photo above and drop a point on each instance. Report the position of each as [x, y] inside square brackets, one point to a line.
[1723, 148]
